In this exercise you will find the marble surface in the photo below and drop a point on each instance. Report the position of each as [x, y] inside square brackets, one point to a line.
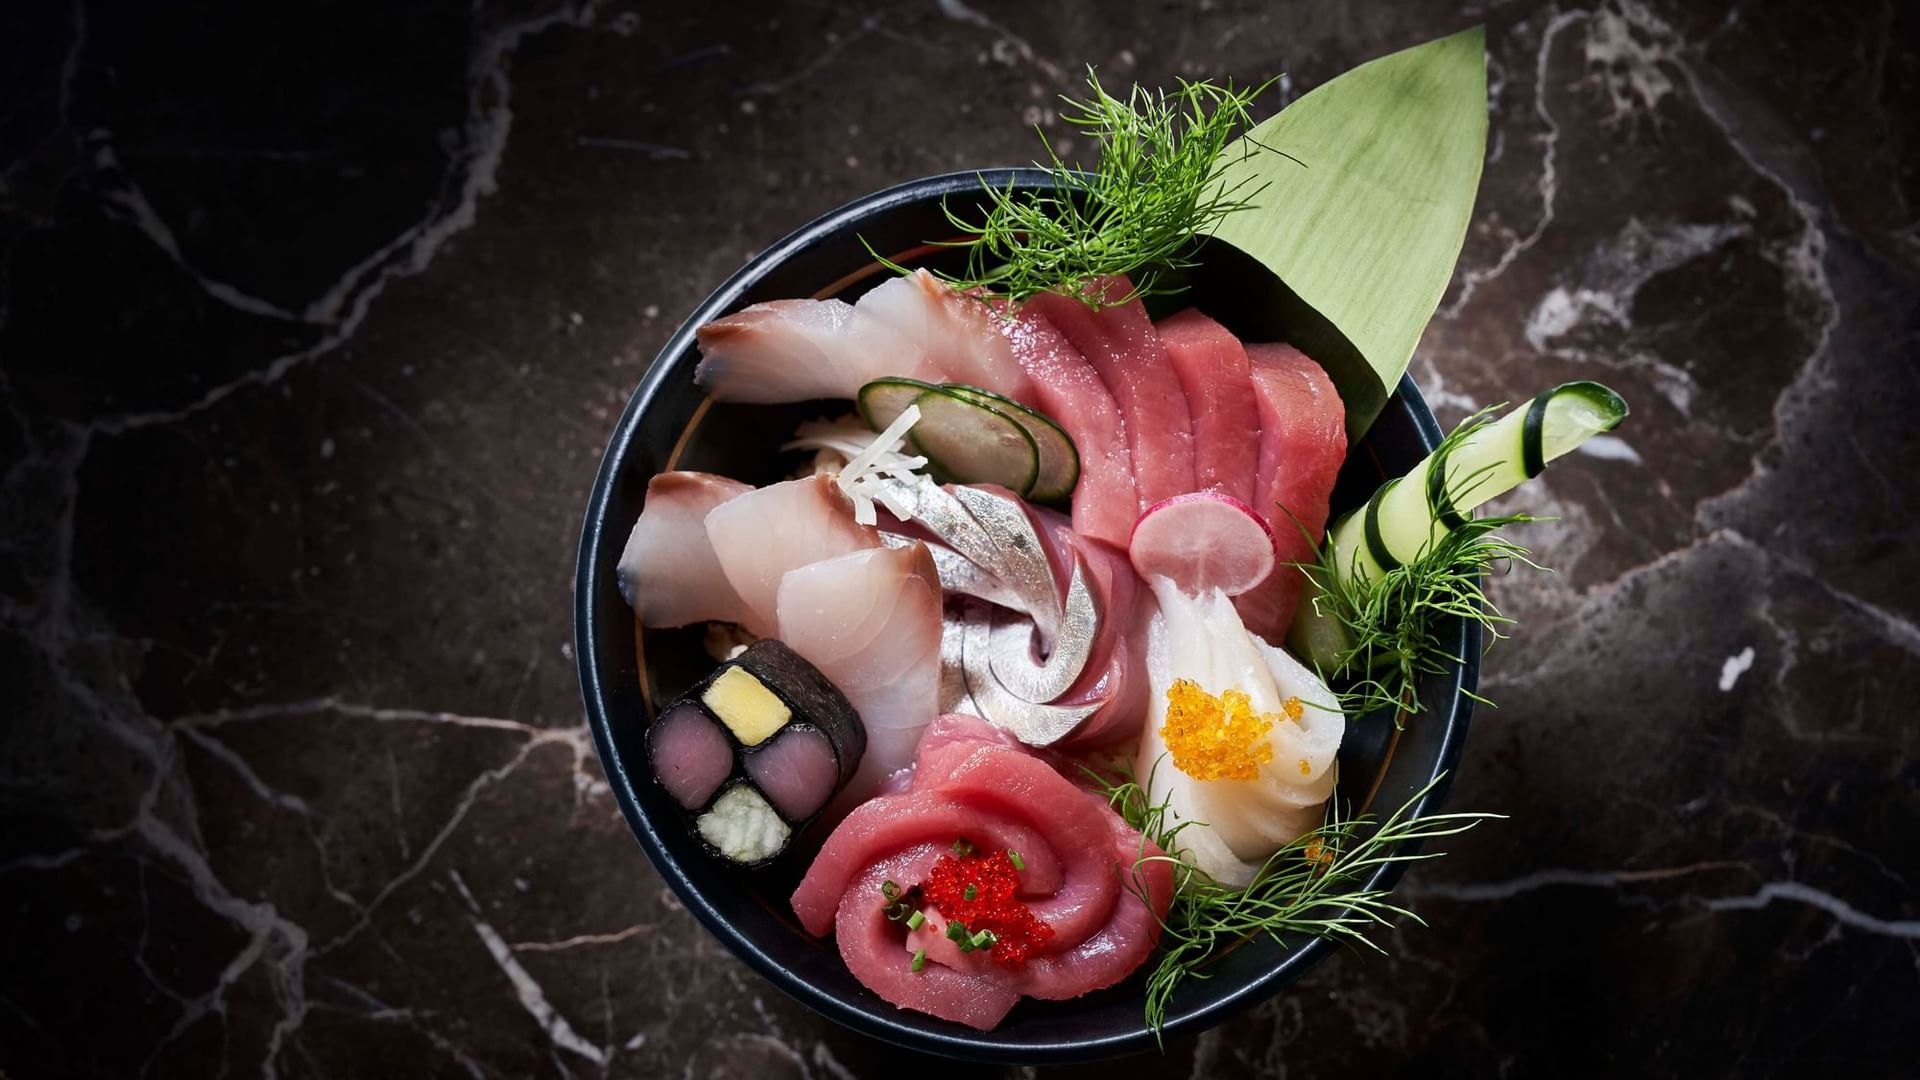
[315, 320]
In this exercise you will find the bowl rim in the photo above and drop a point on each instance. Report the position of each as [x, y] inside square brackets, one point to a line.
[898, 1027]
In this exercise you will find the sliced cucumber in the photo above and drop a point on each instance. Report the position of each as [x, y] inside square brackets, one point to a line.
[1403, 520]
[1059, 460]
[883, 400]
[968, 442]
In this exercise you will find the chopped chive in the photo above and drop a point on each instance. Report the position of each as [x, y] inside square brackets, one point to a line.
[962, 847]
[919, 959]
[889, 889]
[982, 940]
[957, 931]
[1014, 858]
[914, 920]
[969, 893]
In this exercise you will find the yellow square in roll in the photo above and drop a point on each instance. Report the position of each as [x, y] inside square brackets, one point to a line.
[750, 710]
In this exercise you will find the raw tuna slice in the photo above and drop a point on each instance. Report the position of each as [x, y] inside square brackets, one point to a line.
[1120, 344]
[872, 948]
[954, 332]
[1068, 389]
[1213, 370]
[668, 573]
[1075, 850]
[797, 350]
[1303, 440]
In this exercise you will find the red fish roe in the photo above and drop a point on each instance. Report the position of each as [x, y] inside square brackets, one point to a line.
[977, 891]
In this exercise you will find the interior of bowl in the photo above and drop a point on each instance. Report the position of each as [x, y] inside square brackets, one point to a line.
[669, 424]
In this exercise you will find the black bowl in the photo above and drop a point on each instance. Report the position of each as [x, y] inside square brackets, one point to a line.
[670, 424]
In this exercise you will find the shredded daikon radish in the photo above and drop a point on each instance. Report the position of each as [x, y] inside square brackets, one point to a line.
[875, 468]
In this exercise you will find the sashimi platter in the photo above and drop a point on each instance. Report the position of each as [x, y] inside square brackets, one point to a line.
[1024, 615]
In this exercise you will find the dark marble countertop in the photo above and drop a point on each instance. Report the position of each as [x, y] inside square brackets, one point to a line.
[316, 318]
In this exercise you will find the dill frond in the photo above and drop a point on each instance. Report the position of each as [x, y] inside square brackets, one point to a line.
[1392, 621]
[1310, 888]
[1155, 186]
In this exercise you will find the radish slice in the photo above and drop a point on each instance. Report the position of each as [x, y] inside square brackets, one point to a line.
[1200, 541]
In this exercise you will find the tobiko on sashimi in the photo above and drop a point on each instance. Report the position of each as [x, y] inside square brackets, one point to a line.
[1037, 667]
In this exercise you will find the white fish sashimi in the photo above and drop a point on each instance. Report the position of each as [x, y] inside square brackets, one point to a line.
[1238, 824]
[955, 332]
[764, 533]
[871, 622]
[668, 572]
[832, 609]
[799, 350]
[888, 667]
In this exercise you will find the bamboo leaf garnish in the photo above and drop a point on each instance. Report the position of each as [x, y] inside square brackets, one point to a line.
[1310, 887]
[1155, 185]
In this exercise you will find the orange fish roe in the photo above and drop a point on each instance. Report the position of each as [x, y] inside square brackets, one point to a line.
[1215, 738]
[1293, 709]
[977, 891]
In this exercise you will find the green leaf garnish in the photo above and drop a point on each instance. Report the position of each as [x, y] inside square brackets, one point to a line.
[1154, 187]
[1310, 887]
[1389, 627]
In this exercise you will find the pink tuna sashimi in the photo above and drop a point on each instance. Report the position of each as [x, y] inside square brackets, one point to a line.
[1069, 390]
[889, 823]
[871, 946]
[1121, 345]
[1213, 370]
[797, 350]
[1303, 440]
[759, 536]
[1080, 863]
[668, 572]
[954, 332]
[997, 798]
[1120, 946]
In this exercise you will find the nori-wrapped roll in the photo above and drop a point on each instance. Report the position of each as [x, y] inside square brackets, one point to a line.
[771, 736]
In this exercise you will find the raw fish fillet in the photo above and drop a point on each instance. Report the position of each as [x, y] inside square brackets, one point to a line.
[1303, 440]
[798, 350]
[969, 783]
[759, 536]
[668, 572]
[1213, 370]
[870, 621]
[1068, 389]
[954, 332]
[1120, 344]
[1116, 669]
